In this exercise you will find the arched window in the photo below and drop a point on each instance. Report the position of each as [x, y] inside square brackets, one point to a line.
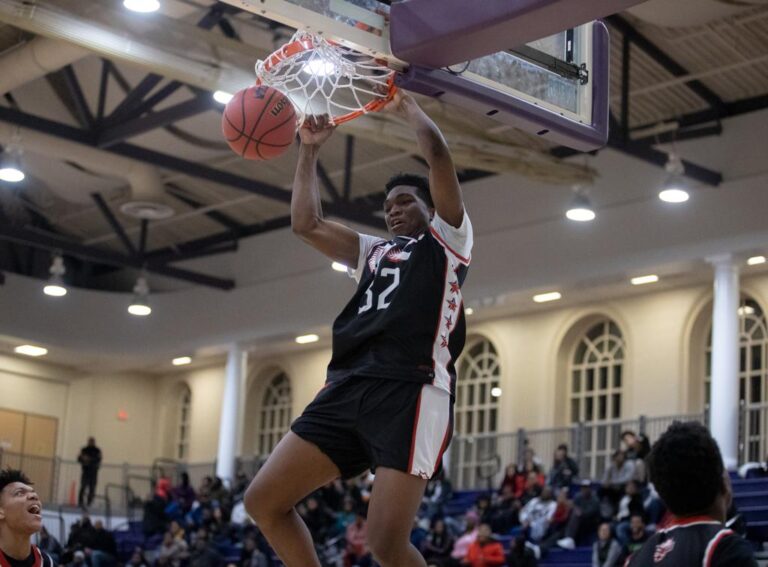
[476, 414]
[275, 413]
[594, 391]
[183, 422]
[753, 375]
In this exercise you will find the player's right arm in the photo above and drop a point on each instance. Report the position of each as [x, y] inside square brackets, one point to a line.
[336, 241]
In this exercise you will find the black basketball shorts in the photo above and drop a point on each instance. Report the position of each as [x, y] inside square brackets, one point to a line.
[363, 423]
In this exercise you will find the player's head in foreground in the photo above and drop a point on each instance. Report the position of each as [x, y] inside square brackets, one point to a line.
[20, 511]
[408, 206]
[687, 470]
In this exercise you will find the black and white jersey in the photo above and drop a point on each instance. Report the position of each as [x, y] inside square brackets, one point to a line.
[695, 542]
[406, 319]
[36, 558]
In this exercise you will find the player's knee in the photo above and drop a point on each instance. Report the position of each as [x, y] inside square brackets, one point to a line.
[258, 503]
[384, 549]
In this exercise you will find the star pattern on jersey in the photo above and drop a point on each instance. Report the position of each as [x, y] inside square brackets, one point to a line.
[449, 322]
[452, 305]
[444, 341]
[455, 287]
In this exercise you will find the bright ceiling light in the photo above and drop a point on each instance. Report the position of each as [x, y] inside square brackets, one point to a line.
[319, 67]
[222, 97]
[468, 311]
[339, 267]
[140, 305]
[642, 280]
[182, 360]
[31, 350]
[674, 188]
[745, 310]
[545, 297]
[755, 260]
[581, 207]
[674, 195]
[55, 286]
[142, 6]
[11, 174]
[496, 392]
[304, 339]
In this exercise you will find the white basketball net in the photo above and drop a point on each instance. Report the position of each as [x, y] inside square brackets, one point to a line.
[320, 77]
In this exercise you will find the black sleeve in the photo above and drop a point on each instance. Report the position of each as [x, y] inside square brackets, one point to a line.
[733, 551]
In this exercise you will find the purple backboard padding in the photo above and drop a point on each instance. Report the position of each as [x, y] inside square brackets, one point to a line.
[520, 113]
[438, 33]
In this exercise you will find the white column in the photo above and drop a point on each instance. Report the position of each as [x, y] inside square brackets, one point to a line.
[231, 414]
[724, 394]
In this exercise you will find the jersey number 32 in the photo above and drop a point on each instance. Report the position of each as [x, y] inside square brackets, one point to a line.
[382, 301]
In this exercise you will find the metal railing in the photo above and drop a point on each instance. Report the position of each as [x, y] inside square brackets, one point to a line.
[753, 432]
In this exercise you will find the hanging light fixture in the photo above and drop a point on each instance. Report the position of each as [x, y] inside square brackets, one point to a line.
[140, 304]
[580, 209]
[142, 6]
[55, 286]
[10, 161]
[674, 190]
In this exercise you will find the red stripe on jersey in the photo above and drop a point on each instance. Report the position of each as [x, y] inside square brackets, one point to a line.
[684, 521]
[445, 245]
[413, 435]
[444, 445]
[713, 545]
[36, 552]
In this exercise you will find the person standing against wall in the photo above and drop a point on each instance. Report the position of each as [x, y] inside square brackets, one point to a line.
[90, 461]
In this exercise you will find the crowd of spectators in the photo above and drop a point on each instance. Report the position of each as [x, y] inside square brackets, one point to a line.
[533, 511]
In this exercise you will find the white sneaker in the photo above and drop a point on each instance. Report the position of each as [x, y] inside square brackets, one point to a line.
[566, 543]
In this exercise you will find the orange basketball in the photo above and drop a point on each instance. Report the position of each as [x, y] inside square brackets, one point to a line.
[259, 123]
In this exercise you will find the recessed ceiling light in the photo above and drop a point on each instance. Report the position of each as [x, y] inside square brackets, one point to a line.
[641, 280]
[55, 290]
[31, 350]
[469, 311]
[304, 339]
[181, 361]
[339, 267]
[544, 297]
[755, 260]
[222, 97]
[143, 6]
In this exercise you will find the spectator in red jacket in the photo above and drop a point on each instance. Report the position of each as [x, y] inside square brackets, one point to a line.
[485, 551]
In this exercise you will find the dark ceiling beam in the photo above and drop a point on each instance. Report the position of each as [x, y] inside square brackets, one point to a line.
[72, 248]
[137, 126]
[103, 87]
[694, 133]
[114, 223]
[212, 251]
[217, 216]
[133, 98]
[143, 237]
[349, 156]
[172, 163]
[68, 90]
[664, 59]
[325, 179]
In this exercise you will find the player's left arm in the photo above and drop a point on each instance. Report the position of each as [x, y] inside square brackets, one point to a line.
[443, 183]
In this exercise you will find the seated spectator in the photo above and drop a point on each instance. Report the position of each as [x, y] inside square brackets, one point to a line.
[636, 535]
[438, 544]
[78, 559]
[50, 545]
[513, 482]
[505, 511]
[559, 522]
[584, 518]
[357, 552]
[203, 554]
[177, 531]
[437, 493]
[346, 516]
[520, 555]
[318, 520]
[606, 552]
[536, 516]
[485, 551]
[533, 486]
[138, 559]
[173, 551]
[483, 509]
[419, 531]
[616, 476]
[630, 504]
[184, 495]
[564, 469]
[163, 486]
[102, 549]
[637, 445]
[531, 463]
[251, 555]
[461, 547]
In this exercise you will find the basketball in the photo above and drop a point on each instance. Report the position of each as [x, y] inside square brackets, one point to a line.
[259, 123]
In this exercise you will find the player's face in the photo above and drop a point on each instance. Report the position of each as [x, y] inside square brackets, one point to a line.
[405, 212]
[20, 508]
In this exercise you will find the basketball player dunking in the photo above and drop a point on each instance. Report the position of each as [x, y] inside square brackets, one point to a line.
[388, 399]
[20, 518]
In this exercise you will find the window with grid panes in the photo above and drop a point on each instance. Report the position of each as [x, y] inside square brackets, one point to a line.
[275, 414]
[477, 409]
[594, 391]
[753, 375]
[182, 436]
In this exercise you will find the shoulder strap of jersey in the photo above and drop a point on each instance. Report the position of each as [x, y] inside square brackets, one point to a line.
[712, 545]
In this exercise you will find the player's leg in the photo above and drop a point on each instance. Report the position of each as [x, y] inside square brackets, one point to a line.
[394, 502]
[294, 469]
